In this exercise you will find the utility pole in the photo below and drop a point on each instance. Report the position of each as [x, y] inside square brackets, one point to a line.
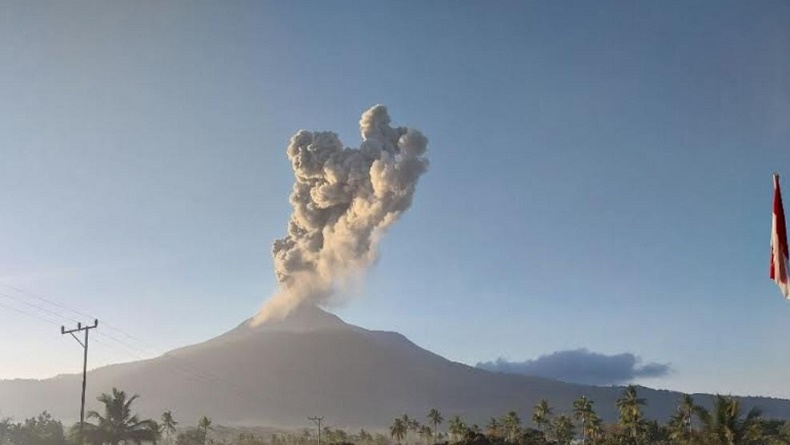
[317, 420]
[84, 345]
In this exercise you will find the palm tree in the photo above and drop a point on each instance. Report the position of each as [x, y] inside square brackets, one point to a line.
[412, 425]
[494, 428]
[594, 429]
[563, 429]
[583, 410]
[687, 407]
[680, 424]
[5, 429]
[511, 423]
[205, 424]
[726, 426]
[168, 425]
[364, 437]
[542, 414]
[118, 424]
[426, 433]
[398, 429]
[436, 419]
[631, 418]
[457, 427]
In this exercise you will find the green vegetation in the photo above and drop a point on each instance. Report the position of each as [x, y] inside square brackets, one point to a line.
[168, 426]
[436, 419]
[40, 430]
[118, 425]
[542, 414]
[725, 424]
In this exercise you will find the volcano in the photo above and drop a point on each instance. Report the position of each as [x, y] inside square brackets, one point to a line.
[313, 363]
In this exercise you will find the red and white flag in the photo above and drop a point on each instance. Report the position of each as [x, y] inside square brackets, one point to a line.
[779, 261]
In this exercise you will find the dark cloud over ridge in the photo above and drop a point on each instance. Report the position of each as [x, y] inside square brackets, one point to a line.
[582, 366]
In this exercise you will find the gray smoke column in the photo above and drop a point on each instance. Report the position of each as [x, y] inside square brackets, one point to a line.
[343, 200]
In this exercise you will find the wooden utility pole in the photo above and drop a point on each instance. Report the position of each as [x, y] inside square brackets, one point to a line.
[317, 421]
[84, 345]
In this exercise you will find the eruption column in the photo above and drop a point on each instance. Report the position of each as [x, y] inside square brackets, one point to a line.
[343, 200]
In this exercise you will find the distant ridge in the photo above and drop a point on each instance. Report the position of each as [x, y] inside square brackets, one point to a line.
[311, 362]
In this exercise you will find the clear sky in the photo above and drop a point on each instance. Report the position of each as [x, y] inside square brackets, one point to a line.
[600, 174]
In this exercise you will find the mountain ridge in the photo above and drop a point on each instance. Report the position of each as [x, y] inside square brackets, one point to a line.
[278, 373]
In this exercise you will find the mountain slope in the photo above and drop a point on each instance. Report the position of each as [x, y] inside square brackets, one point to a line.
[314, 364]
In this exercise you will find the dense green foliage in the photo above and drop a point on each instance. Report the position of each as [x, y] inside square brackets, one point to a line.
[39, 430]
[117, 424]
[725, 424]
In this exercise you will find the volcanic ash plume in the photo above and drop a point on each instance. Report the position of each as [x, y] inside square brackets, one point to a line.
[343, 200]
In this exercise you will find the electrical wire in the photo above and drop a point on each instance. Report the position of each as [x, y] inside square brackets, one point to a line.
[132, 350]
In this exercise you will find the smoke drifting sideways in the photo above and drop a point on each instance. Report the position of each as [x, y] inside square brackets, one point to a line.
[343, 201]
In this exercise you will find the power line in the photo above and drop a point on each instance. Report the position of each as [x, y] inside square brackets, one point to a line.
[64, 317]
[58, 315]
[47, 300]
[62, 306]
[33, 305]
[24, 301]
[43, 320]
[28, 314]
[132, 350]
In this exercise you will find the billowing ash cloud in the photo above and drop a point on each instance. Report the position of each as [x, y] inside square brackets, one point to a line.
[343, 199]
[582, 366]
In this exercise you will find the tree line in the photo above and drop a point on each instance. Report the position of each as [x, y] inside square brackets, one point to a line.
[691, 424]
[115, 425]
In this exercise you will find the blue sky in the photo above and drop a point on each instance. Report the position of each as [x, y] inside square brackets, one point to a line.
[600, 174]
